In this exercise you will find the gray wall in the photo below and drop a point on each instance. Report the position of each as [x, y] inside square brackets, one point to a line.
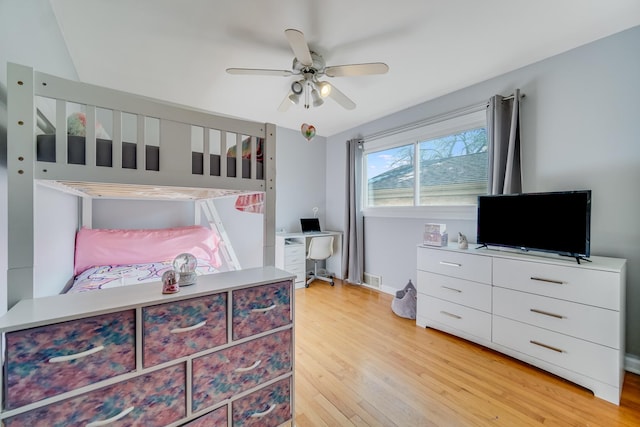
[580, 126]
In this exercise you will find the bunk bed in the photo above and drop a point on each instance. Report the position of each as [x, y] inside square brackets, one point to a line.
[132, 353]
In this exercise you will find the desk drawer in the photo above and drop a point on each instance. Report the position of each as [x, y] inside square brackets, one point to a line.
[151, 400]
[455, 264]
[260, 309]
[225, 373]
[177, 329]
[85, 351]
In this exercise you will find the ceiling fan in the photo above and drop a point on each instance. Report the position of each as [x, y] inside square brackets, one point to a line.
[308, 66]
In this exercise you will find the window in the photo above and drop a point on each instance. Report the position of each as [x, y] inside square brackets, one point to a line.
[441, 164]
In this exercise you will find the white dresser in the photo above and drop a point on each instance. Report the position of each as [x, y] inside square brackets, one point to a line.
[549, 311]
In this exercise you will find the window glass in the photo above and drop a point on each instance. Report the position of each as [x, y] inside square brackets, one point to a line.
[391, 177]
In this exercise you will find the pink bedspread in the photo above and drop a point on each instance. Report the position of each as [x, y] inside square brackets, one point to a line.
[111, 276]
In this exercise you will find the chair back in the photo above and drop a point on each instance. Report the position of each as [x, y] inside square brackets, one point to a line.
[320, 247]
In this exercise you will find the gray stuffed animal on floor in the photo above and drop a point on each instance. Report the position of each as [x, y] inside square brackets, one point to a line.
[404, 303]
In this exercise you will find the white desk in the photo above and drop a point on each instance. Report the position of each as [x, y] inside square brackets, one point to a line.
[291, 254]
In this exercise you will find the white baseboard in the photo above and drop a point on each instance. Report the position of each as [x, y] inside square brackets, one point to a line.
[632, 363]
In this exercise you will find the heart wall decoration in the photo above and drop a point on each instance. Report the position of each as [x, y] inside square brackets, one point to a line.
[308, 131]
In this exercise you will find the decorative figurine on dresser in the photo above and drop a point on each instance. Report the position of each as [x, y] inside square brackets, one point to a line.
[218, 353]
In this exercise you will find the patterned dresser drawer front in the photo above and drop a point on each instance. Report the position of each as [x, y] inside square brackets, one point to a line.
[155, 399]
[217, 418]
[261, 309]
[49, 360]
[181, 328]
[270, 406]
[221, 375]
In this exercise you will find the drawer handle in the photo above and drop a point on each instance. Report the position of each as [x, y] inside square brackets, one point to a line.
[249, 368]
[112, 419]
[550, 347]
[80, 355]
[262, 414]
[451, 289]
[541, 279]
[450, 264]
[264, 310]
[189, 328]
[455, 316]
[546, 313]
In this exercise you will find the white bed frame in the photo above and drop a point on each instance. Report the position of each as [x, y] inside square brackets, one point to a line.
[174, 176]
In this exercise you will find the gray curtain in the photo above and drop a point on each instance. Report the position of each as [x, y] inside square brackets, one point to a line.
[353, 245]
[503, 138]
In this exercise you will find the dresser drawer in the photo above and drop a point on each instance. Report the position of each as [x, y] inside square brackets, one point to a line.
[216, 418]
[572, 283]
[578, 320]
[456, 264]
[53, 359]
[270, 406]
[465, 319]
[222, 374]
[471, 294]
[583, 357]
[261, 308]
[177, 329]
[155, 399]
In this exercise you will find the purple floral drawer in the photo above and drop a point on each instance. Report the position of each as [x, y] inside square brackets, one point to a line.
[217, 418]
[261, 308]
[225, 373]
[178, 329]
[154, 399]
[270, 406]
[53, 359]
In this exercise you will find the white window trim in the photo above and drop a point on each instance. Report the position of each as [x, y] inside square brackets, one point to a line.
[415, 136]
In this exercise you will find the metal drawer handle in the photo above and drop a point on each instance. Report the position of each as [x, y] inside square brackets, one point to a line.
[556, 349]
[455, 316]
[80, 355]
[249, 368]
[450, 264]
[262, 414]
[451, 289]
[112, 419]
[541, 279]
[189, 328]
[546, 313]
[264, 310]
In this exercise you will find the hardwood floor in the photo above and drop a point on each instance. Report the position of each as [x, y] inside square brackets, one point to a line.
[358, 364]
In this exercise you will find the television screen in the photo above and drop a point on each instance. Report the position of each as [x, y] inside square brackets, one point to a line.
[558, 222]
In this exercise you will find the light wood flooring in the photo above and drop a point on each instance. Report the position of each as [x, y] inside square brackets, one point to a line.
[358, 364]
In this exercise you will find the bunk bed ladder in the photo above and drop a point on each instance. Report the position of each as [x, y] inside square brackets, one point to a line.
[215, 222]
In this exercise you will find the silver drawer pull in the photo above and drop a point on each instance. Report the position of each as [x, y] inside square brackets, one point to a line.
[264, 310]
[112, 419]
[189, 328]
[249, 368]
[451, 289]
[262, 414]
[541, 279]
[450, 264]
[546, 313]
[77, 355]
[446, 313]
[556, 349]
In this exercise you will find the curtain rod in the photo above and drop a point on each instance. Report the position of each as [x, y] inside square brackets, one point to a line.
[431, 120]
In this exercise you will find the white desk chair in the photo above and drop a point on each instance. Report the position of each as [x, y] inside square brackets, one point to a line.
[320, 248]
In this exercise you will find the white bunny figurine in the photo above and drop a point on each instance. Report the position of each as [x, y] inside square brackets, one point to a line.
[462, 241]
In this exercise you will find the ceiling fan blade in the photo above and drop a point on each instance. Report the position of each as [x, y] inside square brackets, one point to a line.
[299, 46]
[259, 72]
[285, 104]
[341, 98]
[356, 69]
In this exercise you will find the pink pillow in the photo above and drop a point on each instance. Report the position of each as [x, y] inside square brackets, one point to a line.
[116, 247]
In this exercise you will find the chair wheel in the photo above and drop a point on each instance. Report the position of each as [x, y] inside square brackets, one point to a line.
[332, 283]
[306, 285]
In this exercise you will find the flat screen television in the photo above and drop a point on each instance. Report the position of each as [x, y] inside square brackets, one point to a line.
[558, 222]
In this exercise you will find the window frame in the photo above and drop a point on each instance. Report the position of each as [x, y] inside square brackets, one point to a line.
[415, 135]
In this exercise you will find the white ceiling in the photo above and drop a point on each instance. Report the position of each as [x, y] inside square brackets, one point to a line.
[178, 50]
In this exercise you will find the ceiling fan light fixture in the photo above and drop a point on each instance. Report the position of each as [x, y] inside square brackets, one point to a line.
[317, 99]
[296, 88]
[294, 98]
[324, 88]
